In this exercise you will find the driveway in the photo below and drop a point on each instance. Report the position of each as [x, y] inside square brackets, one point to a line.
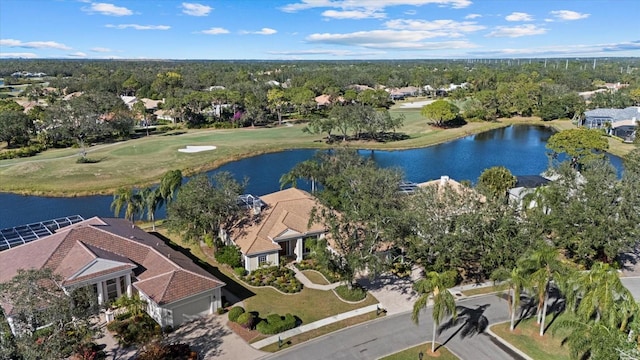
[211, 338]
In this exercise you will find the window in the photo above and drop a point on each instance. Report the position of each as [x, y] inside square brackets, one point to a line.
[112, 289]
[262, 259]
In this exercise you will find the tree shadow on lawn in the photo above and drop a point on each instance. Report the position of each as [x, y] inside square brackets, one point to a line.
[231, 286]
[470, 321]
[204, 335]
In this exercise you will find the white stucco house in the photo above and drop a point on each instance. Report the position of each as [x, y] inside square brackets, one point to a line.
[116, 258]
[280, 229]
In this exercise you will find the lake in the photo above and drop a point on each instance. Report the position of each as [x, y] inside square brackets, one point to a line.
[520, 148]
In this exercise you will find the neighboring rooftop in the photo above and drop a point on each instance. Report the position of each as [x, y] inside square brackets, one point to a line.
[629, 113]
[19, 235]
[530, 181]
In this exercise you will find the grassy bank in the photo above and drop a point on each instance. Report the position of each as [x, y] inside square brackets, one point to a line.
[141, 162]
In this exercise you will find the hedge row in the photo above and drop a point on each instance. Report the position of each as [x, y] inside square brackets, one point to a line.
[22, 152]
[275, 324]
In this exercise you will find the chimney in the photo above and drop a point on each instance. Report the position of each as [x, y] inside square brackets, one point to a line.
[444, 179]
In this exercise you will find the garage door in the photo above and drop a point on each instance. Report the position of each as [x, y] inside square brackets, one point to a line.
[190, 311]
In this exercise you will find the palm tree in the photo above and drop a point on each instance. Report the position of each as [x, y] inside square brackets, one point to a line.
[444, 303]
[289, 178]
[602, 296]
[127, 199]
[541, 266]
[151, 201]
[169, 185]
[516, 281]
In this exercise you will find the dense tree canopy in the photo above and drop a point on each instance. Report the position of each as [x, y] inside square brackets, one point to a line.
[205, 206]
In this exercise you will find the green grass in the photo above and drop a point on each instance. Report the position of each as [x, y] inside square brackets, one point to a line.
[315, 277]
[55, 172]
[309, 305]
[526, 338]
[413, 353]
[294, 340]
[351, 294]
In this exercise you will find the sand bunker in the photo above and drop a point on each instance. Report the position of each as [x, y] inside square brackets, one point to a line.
[195, 148]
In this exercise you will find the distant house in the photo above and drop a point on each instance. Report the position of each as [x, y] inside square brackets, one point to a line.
[525, 185]
[619, 122]
[280, 230]
[326, 100]
[401, 93]
[115, 258]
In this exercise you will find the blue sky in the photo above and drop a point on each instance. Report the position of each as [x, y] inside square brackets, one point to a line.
[318, 29]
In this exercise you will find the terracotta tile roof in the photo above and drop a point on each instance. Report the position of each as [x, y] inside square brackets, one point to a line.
[119, 246]
[172, 286]
[287, 213]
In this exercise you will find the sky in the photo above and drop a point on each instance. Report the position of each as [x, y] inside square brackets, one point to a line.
[318, 29]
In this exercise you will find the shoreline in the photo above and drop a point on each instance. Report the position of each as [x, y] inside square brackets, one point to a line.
[557, 125]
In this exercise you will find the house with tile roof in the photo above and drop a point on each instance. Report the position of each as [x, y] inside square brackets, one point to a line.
[619, 122]
[279, 230]
[116, 258]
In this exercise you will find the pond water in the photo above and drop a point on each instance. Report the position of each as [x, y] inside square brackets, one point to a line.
[521, 149]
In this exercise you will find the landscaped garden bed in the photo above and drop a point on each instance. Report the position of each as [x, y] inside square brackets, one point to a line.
[280, 278]
[272, 324]
[312, 264]
[136, 329]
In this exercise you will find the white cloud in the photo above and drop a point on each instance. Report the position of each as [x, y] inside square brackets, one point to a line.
[107, 9]
[353, 14]
[436, 28]
[565, 50]
[388, 39]
[519, 16]
[263, 31]
[78, 54]
[568, 15]
[472, 16]
[33, 44]
[370, 4]
[101, 50]
[138, 27]
[332, 52]
[18, 55]
[410, 12]
[195, 9]
[215, 31]
[517, 31]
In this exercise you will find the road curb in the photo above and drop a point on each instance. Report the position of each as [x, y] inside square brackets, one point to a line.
[507, 344]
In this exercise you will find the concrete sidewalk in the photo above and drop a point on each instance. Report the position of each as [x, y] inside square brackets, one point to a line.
[307, 283]
[314, 325]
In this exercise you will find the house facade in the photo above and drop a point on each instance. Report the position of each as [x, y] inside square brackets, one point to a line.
[280, 229]
[115, 258]
[619, 122]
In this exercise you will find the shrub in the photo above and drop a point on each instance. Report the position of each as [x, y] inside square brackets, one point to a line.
[246, 320]
[235, 312]
[221, 310]
[355, 293]
[275, 324]
[240, 271]
[229, 255]
[280, 278]
[135, 330]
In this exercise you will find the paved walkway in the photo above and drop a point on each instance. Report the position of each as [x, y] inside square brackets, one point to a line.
[307, 283]
[314, 325]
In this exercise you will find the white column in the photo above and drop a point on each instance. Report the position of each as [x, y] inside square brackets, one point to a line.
[127, 282]
[299, 249]
[212, 303]
[100, 293]
[118, 290]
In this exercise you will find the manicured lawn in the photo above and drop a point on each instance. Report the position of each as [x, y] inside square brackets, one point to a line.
[55, 172]
[315, 277]
[294, 340]
[414, 352]
[309, 305]
[484, 290]
[525, 337]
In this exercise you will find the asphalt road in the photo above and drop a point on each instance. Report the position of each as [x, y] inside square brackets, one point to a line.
[465, 337]
[633, 284]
